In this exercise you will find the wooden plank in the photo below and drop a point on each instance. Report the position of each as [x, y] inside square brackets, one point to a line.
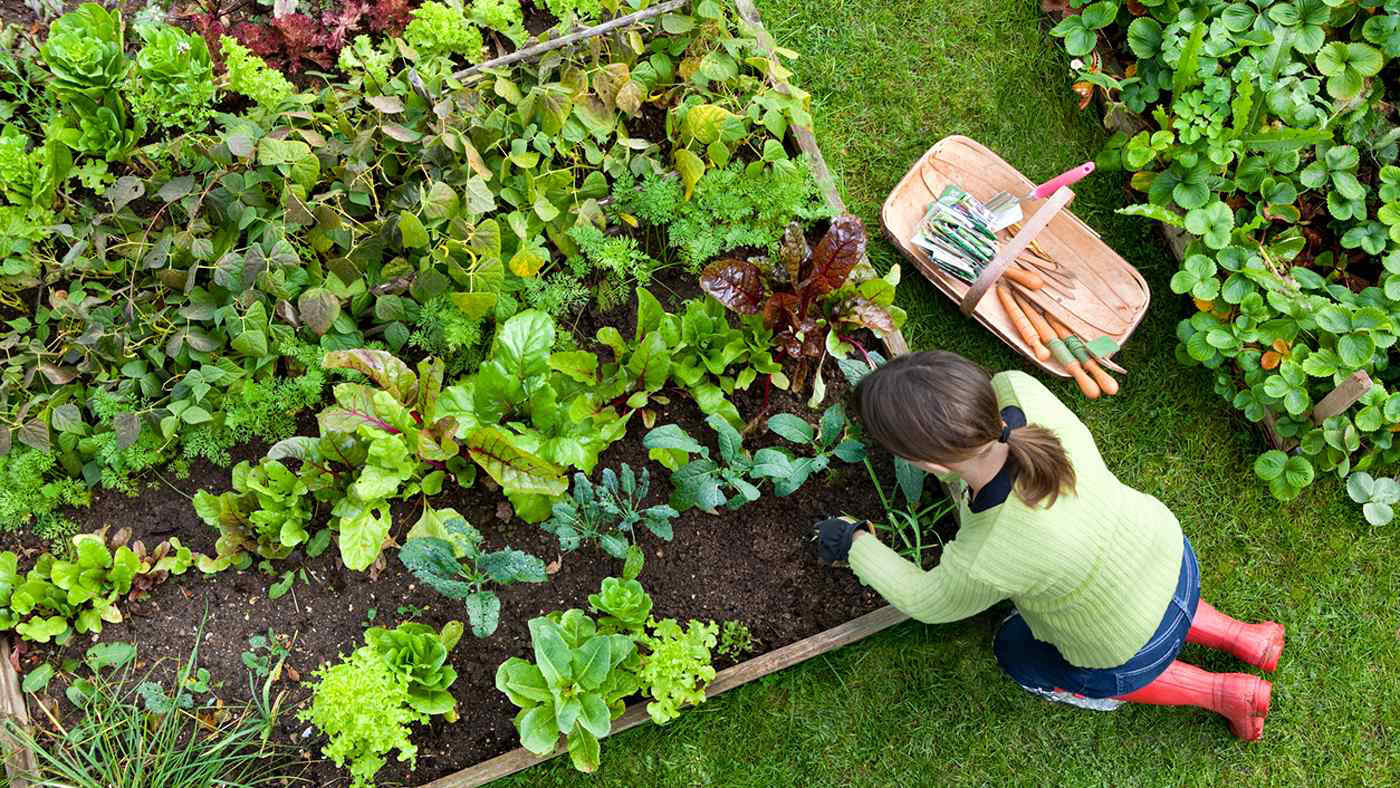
[18, 760]
[1342, 397]
[744, 672]
[529, 53]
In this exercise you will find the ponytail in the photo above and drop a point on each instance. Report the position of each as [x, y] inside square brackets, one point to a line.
[939, 407]
[1043, 469]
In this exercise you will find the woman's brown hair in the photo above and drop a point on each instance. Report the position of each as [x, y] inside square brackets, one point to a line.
[939, 407]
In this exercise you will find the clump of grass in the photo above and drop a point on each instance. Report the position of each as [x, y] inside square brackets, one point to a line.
[134, 735]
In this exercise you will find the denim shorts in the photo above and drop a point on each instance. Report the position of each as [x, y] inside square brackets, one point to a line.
[1038, 665]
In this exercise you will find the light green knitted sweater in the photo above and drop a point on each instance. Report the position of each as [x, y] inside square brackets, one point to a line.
[1092, 574]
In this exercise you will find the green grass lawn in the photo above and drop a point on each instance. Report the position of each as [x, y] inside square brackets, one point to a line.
[924, 704]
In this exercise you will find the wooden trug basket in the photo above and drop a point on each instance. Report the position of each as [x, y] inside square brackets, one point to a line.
[1102, 284]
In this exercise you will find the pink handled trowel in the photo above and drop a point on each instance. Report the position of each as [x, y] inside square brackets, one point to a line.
[1005, 207]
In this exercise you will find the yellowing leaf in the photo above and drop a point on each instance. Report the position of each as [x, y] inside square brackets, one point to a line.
[691, 167]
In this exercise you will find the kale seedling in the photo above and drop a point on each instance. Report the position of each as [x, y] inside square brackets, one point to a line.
[595, 512]
[790, 472]
[445, 552]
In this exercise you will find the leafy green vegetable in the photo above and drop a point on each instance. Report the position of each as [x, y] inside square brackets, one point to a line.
[704, 483]
[172, 85]
[574, 688]
[609, 512]
[444, 552]
[789, 472]
[417, 654]
[363, 706]
[677, 667]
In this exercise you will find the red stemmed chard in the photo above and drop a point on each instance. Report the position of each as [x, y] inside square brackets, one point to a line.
[795, 294]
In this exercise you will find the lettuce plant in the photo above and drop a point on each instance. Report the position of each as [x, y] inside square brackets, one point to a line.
[624, 603]
[362, 706]
[573, 689]
[444, 29]
[417, 653]
[172, 85]
[59, 597]
[265, 514]
[250, 76]
[378, 442]
[446, 553]
[676, 666]
[85, 50]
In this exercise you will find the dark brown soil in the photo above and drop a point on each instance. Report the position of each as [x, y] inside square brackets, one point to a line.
[757, 565]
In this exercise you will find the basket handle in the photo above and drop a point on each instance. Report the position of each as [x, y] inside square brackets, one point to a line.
[1013, 248]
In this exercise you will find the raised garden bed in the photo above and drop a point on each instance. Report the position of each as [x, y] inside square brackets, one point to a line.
[754, 565]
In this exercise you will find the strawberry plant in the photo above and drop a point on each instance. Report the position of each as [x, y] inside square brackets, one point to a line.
[1272, 141]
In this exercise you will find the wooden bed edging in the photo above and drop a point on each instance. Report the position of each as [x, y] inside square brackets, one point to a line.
[19, 760]
[636, 714]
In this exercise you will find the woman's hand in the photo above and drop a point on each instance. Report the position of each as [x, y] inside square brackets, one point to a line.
[834, 536]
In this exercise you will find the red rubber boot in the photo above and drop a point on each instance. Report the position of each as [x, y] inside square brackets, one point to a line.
[1258, 644]
[1241, 698]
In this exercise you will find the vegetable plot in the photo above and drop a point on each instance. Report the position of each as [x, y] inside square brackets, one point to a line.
[394, 346]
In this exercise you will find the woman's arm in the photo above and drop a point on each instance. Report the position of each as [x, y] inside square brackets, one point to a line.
[937, 596]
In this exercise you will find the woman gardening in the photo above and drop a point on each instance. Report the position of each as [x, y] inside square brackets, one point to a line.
[1107, 589]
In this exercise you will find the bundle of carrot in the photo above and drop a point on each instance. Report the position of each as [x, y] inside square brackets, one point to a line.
[1048, 337]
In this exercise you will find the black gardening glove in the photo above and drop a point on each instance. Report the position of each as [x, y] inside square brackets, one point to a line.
[834, 538]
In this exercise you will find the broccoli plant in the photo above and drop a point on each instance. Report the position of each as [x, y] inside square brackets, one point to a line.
[443, 551]
[704, 483]
[608, 513]
[790, 472]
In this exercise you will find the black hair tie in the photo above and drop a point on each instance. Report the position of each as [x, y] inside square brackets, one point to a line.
[1005, 433]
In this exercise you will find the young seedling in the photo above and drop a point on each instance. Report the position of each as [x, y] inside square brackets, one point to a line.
[906, 526]
[453, 564]
[608, 513]
[790, 472]
[703, 483]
